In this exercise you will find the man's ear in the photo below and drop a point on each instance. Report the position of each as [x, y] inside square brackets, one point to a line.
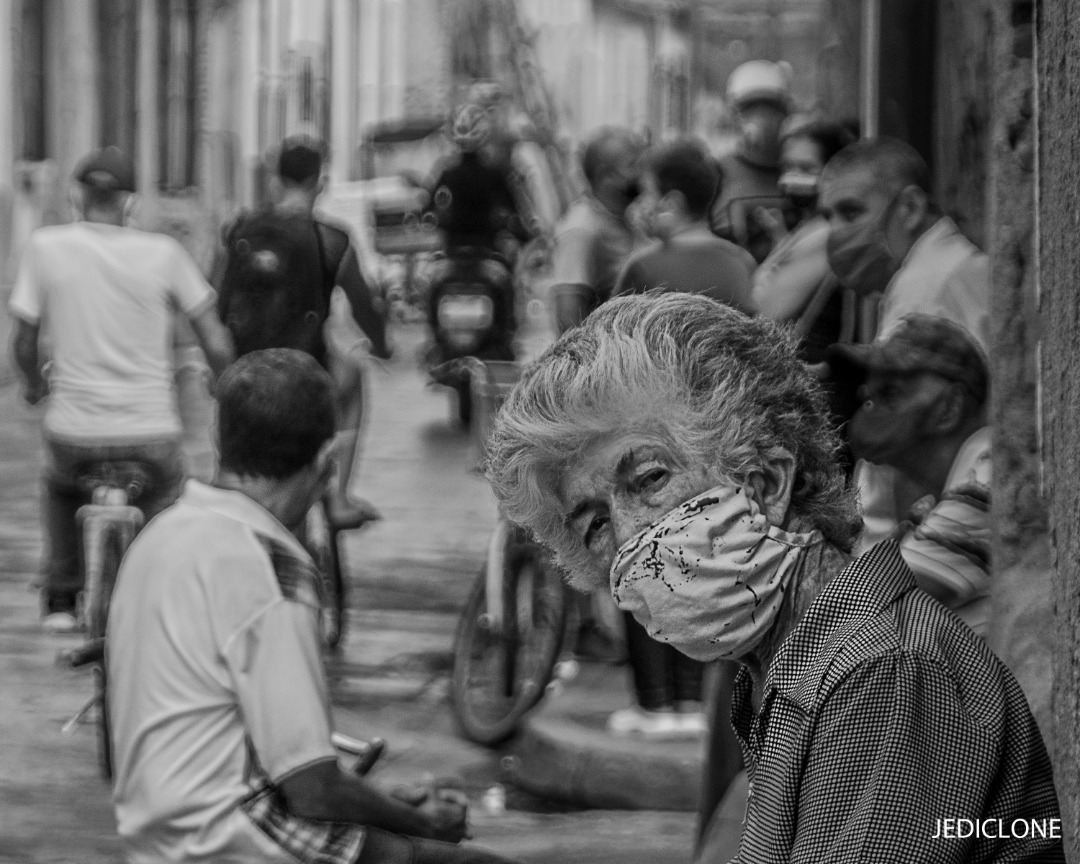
[326, 460]
[948, 413]
[773, 484]
[914, 207]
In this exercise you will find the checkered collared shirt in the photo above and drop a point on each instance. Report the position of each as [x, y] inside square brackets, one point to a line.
[882, 716]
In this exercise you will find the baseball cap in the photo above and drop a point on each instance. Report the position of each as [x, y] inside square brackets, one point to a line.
[108, 168]
[920, 343]
[760, 81]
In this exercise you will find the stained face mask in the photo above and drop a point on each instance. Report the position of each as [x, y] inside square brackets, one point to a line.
[860, 256]
[800, 188]
[710, 576]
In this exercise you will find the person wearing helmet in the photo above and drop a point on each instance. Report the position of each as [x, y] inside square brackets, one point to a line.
[472, 199]
[759, 94]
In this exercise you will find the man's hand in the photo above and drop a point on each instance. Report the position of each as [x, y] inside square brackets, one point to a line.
[447, 811]
[445, 807]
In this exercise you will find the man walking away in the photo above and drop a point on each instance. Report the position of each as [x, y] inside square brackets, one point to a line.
[108, 294]
[275, 283]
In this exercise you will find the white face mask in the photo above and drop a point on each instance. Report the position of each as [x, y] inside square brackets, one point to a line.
[710, 576]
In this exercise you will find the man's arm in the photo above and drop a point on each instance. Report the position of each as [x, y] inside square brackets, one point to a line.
[362, 303]
[24, 347]
[280, 681]
[214, 339]
[574, 277]
[325, 792]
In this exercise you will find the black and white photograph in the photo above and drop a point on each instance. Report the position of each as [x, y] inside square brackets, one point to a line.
[539, 431]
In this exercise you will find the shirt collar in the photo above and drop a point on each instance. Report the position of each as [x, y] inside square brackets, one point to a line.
[858, 594]
[944, 227]
[240, 508]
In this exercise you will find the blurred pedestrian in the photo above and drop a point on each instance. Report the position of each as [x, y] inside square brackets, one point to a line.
[795, 284]
[107, 295]
[282, 257]
[594, 239]
[679, 182]
[676, 453]
[924, 414]
[887, 234]
[759, 94]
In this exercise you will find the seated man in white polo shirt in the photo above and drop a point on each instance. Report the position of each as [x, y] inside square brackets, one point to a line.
[218, 697]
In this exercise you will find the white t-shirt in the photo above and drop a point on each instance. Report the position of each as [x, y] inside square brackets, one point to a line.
[213, 648]
[107, 296]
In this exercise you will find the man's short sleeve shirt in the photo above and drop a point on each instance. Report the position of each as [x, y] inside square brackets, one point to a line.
[591, 246]
[216, 678]
[107, 296]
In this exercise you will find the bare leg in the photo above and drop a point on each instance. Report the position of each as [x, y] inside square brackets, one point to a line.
[347, 373]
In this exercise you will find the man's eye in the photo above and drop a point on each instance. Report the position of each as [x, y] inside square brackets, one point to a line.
[595, 526]
[650, 480]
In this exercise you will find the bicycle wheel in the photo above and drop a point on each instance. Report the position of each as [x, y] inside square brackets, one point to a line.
[501, 672]
[321, 542]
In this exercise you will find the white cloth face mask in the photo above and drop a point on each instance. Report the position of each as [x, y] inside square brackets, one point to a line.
[710, 576]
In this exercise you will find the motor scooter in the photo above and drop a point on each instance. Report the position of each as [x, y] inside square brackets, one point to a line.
[470, 313]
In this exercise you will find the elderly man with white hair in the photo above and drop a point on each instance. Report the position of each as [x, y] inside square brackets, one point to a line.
[677, 453]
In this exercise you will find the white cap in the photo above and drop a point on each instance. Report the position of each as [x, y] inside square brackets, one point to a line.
[760, 80]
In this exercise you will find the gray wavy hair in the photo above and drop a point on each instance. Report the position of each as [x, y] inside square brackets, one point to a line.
[721, 389]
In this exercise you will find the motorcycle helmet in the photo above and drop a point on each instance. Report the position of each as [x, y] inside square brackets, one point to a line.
[760, 81]
[471, 127]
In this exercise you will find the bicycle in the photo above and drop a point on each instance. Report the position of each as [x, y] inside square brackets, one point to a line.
[108, 525]
[514, 626]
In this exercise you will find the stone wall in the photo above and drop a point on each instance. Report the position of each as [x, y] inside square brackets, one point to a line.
[1058, 40]
[1022, 590]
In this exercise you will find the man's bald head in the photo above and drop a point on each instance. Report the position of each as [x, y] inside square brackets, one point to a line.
[897, 164]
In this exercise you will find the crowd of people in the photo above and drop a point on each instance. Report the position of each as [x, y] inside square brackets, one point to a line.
[761, 482]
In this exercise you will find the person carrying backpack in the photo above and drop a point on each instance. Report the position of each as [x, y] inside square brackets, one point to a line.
[275, 279]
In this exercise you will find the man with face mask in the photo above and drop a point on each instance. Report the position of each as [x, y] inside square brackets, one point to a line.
[679, 183]
[887, 235]
[759, 93]
[594, 238]
[677, 454]
[925, 415]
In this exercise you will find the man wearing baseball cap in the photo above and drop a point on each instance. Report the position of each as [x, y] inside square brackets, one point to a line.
[924, 414]
[108, 294]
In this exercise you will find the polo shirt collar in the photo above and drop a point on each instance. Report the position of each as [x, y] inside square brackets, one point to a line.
[868, 585]
[240, 508]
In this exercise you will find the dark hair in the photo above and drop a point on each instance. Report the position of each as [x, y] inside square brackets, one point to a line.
[102, 197]
[830, 137]
[275, 410]
[600, 151]
[301, 160]
[895, 161]
[684, 166]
